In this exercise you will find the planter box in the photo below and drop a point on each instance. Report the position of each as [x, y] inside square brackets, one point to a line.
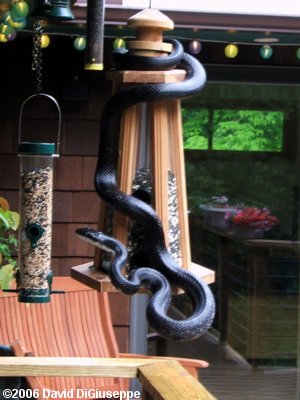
[215, 216]
[249, 233]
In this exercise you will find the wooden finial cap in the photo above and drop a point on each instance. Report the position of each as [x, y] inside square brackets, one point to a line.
[149, 25]
[152, 18]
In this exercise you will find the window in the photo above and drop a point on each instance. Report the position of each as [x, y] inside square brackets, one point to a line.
[242, 157]
[233, 130]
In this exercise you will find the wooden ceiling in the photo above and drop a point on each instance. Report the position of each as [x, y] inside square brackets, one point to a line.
[207, 27]
[203, 26]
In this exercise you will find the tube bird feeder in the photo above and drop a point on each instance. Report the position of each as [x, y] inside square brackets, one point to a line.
[94, 35]
[36, 187]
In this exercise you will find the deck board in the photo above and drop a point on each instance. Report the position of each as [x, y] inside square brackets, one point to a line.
[229, 377]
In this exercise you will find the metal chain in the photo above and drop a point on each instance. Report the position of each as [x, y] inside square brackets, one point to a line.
[38, 30]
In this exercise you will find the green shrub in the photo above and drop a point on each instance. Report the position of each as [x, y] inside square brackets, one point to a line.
[9, 222]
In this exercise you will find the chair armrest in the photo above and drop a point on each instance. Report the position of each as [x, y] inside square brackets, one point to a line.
[19, 351]
[33, 381]
[190, 364]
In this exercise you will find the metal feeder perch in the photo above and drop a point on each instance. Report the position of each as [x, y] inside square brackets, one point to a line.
[36, 188]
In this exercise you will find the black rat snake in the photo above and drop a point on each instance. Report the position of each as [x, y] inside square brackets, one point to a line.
[163, 270]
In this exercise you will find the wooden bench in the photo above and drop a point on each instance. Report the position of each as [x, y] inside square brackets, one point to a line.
[76, 323]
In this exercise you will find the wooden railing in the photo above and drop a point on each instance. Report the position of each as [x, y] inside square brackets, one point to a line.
[160, 379]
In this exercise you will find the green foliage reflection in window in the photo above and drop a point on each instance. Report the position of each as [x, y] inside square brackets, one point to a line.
[235, 130]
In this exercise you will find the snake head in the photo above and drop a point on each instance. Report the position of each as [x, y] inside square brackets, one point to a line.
[95, 238]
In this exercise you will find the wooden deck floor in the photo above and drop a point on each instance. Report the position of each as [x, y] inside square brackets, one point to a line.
[231, 378]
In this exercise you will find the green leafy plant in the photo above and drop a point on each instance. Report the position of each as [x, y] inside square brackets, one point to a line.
[9, 222]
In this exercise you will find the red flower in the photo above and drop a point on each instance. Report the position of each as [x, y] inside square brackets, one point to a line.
[259, 218]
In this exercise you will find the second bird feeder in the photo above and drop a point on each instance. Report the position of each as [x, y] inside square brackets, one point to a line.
[36, 188]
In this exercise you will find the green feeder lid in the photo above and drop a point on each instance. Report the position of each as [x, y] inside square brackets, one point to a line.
[36, 148]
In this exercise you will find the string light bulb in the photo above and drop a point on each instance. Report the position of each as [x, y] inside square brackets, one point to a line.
[12, 36]
[231, 50]
[5, 29]
[15, 18]
[3, 38]
[298, 54]
[8, 20]
[119, 43]
[79, 43]
[19, 10]
[195, 47]
[45, 41]
[266, 52]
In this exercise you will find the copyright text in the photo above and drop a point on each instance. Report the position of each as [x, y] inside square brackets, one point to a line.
[70, 394]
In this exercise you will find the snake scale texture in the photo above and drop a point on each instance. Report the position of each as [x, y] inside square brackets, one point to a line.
[161, 271]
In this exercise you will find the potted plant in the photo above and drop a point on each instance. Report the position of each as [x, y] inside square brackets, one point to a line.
[9, 222]
[251, 222]
[214, 212]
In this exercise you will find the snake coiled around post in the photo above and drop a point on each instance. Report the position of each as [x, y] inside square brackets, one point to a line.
[163, 270]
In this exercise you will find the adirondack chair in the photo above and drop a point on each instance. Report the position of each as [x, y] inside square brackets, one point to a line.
[76, 323]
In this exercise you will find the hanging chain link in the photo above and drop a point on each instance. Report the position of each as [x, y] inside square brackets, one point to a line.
[38, 30]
